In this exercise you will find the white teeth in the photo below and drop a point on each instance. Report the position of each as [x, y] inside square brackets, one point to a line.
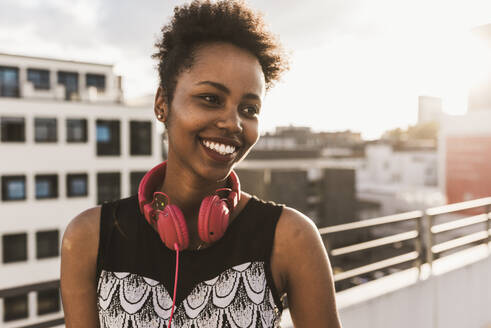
[219, 148]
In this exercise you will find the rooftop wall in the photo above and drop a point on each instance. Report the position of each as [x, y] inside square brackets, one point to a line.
[457, 295]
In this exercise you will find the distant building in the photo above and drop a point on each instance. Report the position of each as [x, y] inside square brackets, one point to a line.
[429, 109]
[290, 142]
[67, 143]
[465, 140]
[465, 156]
[324, 193]
[480, 93]
[400, 179]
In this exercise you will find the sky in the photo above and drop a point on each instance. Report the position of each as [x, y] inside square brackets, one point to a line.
[355, 64]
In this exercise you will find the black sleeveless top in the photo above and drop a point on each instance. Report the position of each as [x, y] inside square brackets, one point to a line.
[228, 284]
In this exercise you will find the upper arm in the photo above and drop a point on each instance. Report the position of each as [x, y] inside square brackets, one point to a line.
[306, 272]
[78, 269]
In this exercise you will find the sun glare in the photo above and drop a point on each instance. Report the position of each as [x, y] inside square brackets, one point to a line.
[461, 60]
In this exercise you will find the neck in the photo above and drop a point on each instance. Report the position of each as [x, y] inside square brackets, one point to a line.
[186, 189]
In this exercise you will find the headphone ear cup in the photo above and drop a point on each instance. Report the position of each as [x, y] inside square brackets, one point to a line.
[213, 219]
[172, 227]
[149, 212]
[233, 199]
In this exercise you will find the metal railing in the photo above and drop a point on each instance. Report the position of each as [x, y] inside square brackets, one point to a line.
[423, 236]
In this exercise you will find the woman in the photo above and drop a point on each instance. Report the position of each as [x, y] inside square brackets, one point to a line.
[120, 262]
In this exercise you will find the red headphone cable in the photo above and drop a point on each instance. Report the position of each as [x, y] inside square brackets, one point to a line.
[176, 247]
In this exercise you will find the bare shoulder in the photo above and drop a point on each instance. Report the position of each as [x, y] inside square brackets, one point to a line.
[78, 269]
[81, 237]
[83, 227]
[296, 235]
[304, 270]
[295, 223]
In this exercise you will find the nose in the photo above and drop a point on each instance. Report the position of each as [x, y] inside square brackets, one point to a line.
[230, 121]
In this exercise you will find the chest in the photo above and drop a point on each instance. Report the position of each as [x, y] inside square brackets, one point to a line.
[240, 296]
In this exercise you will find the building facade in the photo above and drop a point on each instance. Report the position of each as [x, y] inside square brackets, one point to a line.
[465, 140]
[67, 143]
[465, 156]
[480, 92]
[399, 179]
[429, 109]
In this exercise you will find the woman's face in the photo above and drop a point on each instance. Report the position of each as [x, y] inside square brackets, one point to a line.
[213, 118]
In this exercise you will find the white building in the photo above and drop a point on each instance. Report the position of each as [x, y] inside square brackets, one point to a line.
[429, 109]
[67, 143]
[400, 180]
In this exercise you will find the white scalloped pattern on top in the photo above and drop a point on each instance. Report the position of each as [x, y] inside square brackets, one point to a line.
[238, 297]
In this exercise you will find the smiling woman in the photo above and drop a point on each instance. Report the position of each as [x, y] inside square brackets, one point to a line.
[192, 249]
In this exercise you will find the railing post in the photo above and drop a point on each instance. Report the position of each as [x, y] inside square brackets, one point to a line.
[429, 239]
[488, 223]
[418, 244]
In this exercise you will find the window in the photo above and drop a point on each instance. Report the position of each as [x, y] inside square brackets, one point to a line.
[47, 244]
[13, 129]
[140, 138]
[45, 130]
[9, 81]
[108, 186]
[13, 187]
[70, 81]
[108, 140]
[15, 307]
[76, 185]
[76, 130]
[48, 301]
[96, 80]
[135, 178]
[46, 186]
[14, 247]
[39, 78]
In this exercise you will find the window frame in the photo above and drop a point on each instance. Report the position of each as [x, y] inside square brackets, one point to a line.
[113, 146]
[69, 177]
[94, 77]
[50, 253]
[69, 138]
[5, 179]
[7, 299]
[24, 256]
[16, 93]
[51, 137]
[39, 294]
[44, 82]
[114, 184]
[61, 79]
[4, 121]
[136, 136]
[55, 191]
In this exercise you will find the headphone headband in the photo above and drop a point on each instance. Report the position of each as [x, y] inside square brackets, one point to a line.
[151, 180]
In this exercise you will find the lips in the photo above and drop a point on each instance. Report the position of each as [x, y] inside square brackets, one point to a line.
[220, 149]
[221, 140]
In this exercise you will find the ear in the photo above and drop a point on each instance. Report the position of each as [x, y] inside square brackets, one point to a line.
[160, 105]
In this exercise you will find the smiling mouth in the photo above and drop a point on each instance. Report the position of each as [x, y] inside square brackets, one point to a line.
[219, 148]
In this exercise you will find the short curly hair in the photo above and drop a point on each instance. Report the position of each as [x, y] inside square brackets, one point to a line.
[224, 21]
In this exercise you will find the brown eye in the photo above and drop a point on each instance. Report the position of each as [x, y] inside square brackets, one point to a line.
[211, 99]
[251, 110]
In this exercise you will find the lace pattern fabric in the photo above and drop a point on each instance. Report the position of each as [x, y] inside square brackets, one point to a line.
[238, 297]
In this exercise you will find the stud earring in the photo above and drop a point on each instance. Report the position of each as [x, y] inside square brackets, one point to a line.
[160, 116]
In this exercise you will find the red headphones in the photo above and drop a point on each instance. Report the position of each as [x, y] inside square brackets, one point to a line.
[168, 219]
